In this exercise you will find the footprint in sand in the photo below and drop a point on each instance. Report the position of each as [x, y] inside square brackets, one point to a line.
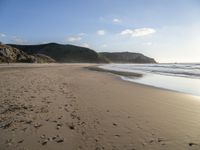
[193, 144]
[71, 126]
[114, 124]
[117, 135]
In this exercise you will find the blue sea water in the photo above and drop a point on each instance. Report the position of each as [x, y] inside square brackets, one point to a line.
[184, 77]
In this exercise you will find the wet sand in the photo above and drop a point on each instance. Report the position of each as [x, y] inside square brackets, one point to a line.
[66, 106]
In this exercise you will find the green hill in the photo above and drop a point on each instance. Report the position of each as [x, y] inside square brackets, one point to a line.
[63, 53]
[76, 54]
[127, 57]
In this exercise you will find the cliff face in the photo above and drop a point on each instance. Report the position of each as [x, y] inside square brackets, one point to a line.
[10, 54]
[127, 57]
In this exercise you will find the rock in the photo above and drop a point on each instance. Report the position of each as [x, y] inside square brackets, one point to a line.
[10, 54]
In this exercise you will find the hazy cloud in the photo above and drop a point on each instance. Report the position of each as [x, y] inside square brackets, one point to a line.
[2, 35]
[77, 37]
[127, 32]
[18, 40]
[148, 43]
[116, 20]
[101, 32]
[74, 38]
[138, 32]
[85, 45]
[82, 34]
[104, 45]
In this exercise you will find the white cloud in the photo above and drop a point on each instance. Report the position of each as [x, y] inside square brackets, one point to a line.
[115, 20]
[45, 42]
[127, 32]
[148, 43]
[101, 32]
[138, 32]
[104, 45]
[85, 45]
[82, 34]
[74, 38]
[2, 35]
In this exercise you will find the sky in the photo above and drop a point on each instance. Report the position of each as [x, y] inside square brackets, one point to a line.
[167, 30]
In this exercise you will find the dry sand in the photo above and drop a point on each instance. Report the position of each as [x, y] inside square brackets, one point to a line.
[67, 107]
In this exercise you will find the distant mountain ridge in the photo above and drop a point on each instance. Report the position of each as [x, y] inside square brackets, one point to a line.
[76, 54]
[127, 57]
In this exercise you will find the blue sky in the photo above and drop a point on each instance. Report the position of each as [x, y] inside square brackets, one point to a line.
[168, 30]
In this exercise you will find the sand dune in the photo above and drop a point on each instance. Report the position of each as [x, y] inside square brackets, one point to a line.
[65, 106]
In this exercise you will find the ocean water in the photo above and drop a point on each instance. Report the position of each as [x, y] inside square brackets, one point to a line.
[184, 77]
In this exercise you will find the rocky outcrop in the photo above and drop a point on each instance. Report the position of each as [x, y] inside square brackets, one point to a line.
[41, 58]
[10, 54]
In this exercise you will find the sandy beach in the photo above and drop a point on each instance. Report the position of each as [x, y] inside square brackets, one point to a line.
[66, 106]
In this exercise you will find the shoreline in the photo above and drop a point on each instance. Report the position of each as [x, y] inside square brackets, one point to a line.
[164, 89]
[91, 67]
[70, 106]
[123, 74]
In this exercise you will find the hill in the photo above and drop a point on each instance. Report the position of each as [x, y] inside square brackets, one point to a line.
[10, 54]
[127, 57]
[76, 54]
[63, 53]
